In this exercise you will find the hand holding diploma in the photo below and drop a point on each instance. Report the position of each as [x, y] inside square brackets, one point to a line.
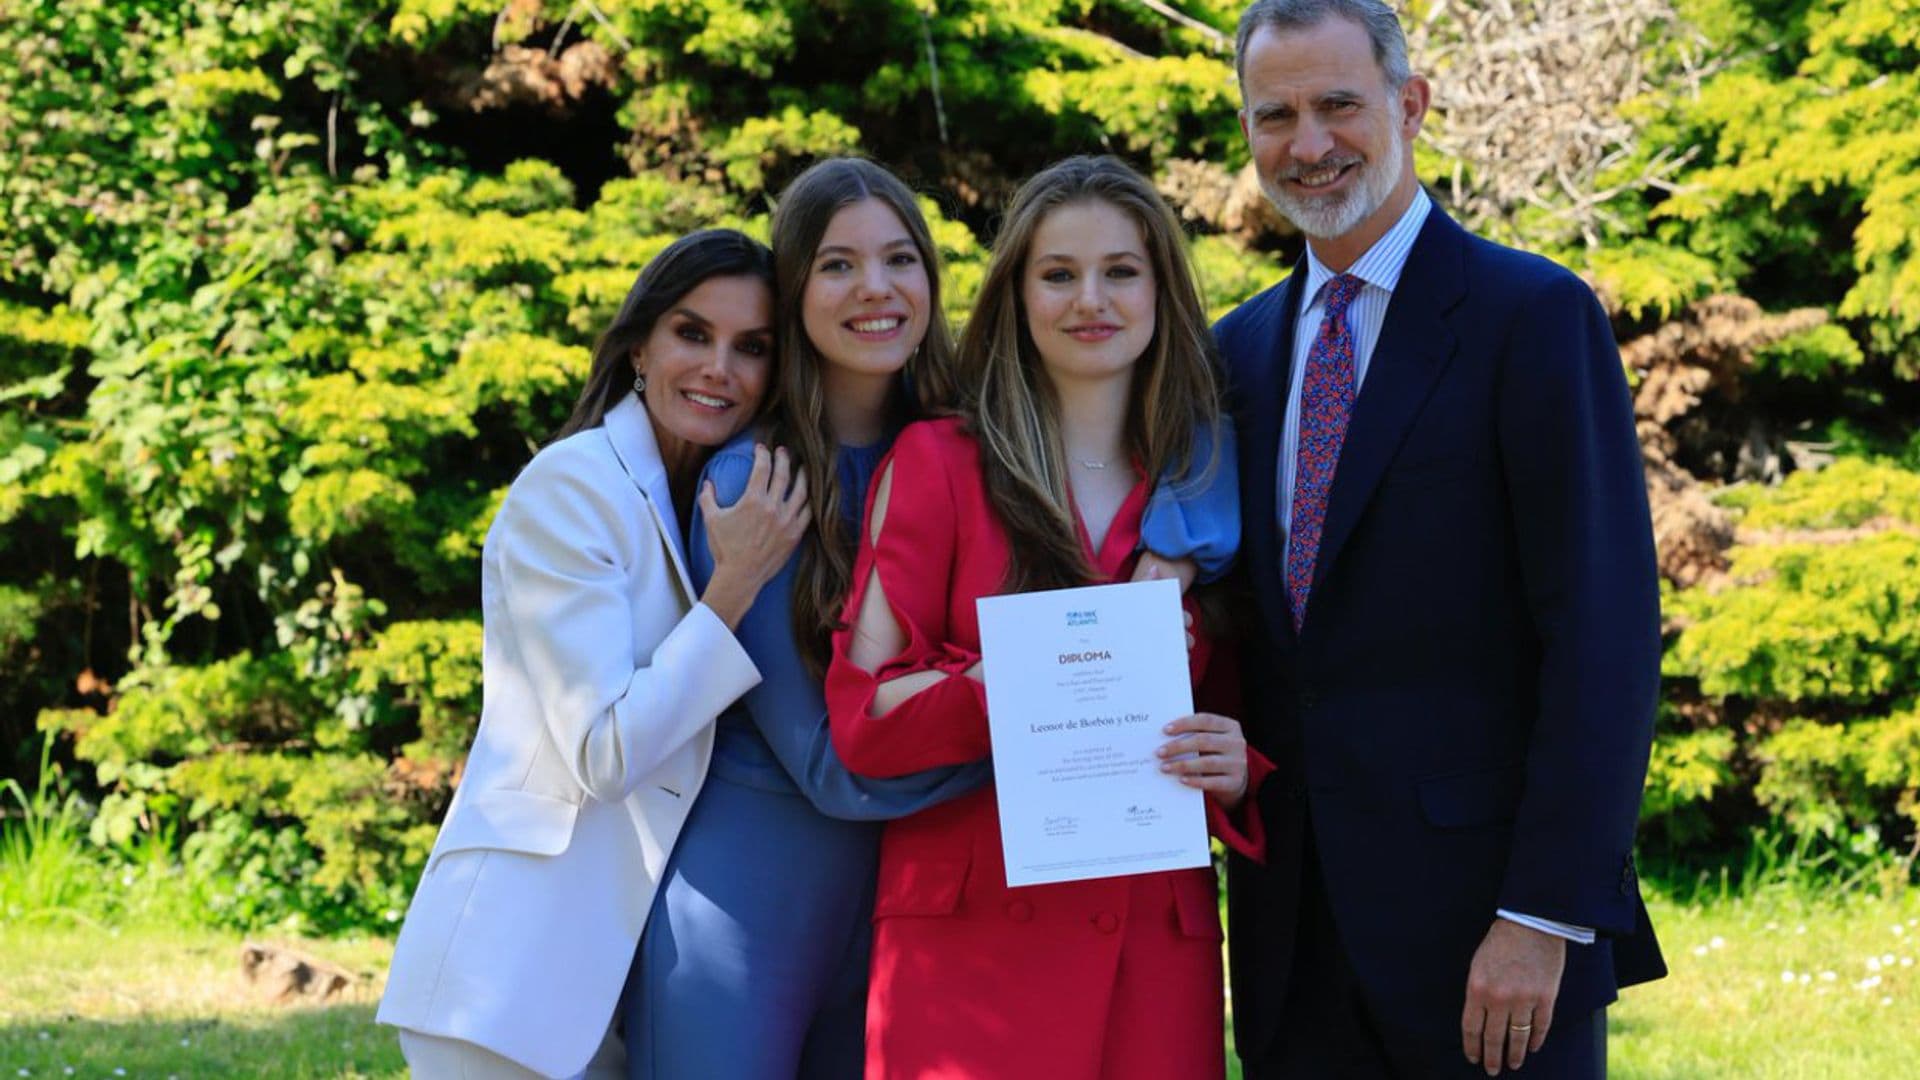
[1083, 687]
[1208, 752]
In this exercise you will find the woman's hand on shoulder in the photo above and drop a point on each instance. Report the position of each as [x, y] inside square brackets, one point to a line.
[1208, 752]
[752, 539]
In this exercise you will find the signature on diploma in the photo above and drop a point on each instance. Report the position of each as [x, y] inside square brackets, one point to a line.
[1059, 825]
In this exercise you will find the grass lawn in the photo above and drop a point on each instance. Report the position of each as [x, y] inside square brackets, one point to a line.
[85, 1002]
[1765, 988]
[1772, 989]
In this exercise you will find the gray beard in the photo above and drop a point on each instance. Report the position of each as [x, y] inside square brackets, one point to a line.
[1328, 217]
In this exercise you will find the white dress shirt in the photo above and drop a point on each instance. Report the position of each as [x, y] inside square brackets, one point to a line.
[1379, 270]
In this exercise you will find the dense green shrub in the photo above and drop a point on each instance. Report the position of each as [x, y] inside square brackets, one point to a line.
[290, 290]
[271, 352]
[1811, 650]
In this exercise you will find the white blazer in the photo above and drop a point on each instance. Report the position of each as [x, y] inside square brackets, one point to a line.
[603, 677]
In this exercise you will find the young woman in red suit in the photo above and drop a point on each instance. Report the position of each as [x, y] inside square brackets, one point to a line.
[1089, 353]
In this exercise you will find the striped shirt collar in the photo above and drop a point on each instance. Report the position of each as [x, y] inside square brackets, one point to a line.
[1383, 262]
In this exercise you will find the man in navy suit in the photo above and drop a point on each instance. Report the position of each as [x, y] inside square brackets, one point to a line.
[1456, 657]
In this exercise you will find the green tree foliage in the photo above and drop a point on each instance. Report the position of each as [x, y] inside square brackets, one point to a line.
[272, 349]
[1795, 674]
[1807, 190]
[290, 290]
[1813, 646]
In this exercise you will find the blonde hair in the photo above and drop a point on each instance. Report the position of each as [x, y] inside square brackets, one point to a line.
[1015, 414]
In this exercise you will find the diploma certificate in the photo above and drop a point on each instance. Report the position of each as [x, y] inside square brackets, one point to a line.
[1079, 684]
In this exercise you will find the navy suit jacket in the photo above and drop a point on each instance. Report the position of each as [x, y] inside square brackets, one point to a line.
[1464, 719]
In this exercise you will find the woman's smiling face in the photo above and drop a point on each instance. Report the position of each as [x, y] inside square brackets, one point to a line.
[707, 362]
[1089, 291]
[865, 303]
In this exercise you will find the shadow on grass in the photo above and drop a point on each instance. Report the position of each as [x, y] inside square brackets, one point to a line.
[298, 1044]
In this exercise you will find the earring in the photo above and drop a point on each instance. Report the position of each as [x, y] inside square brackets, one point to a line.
[639, 383]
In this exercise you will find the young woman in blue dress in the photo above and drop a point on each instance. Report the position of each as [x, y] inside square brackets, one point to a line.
[754, 963]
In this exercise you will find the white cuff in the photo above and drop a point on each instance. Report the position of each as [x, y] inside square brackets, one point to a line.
[1579, 935]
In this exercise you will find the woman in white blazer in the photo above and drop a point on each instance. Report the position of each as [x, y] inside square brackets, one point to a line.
[603, 673]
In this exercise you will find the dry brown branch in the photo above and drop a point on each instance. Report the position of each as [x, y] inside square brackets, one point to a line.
[1527, 97]
[286, 976]
[1230, 203]
[520, 75]
[1702, 352]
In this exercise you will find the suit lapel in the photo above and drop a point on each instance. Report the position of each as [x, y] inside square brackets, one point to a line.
[632, 436]
[1263, 409]
[1414, 347]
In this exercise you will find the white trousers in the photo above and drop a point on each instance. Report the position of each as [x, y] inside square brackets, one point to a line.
[431, 1057]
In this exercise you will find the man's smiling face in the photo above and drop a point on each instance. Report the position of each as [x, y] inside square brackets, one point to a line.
[1330, 138]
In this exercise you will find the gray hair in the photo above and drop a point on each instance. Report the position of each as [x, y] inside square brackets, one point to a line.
[1376, 17]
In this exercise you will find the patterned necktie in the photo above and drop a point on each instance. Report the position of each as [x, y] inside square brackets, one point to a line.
[1326, 401]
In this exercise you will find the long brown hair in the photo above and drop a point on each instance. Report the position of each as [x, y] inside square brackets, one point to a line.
[799, 416]
[680, 268]
[1016, 418]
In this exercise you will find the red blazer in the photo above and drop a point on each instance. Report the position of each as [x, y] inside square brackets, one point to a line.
[971, 978]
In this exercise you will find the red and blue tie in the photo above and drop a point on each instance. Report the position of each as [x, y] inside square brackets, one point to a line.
[1326, 402]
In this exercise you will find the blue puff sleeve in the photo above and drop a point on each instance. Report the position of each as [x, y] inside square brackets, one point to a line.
[1198, 517]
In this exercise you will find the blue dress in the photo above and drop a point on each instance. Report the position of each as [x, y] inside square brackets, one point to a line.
[754, 960]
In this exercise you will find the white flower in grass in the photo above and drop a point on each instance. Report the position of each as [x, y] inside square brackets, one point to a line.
[1805, 978]
[1906, 961]
[1801, 929]
[1828, 976]
[1886, 1001]
[1873, 963]
[1898, 929]
[1718, 942]
[1786, 976]
[1887, 960]
[1699, 950]
[118, 1071]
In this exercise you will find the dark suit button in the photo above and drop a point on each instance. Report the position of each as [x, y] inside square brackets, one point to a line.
[1106, 922]
[1298, 793]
